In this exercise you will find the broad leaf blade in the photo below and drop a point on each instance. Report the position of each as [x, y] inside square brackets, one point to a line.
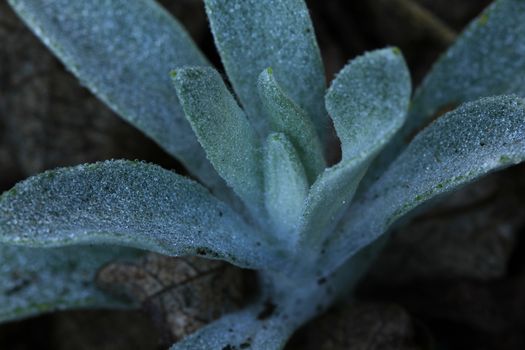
[36, 280]
[286, 186]
[367, 101]
[132, 204]
[252, 35]
[223, 131]
[467, 143]
[123, 52]
[288, 118]
[488, 59]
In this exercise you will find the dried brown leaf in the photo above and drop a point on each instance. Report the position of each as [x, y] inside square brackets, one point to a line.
[180, 294]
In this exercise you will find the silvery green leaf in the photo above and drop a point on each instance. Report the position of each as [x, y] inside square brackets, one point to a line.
[459, 147]
[288, 118]
[229, 140]
[132, 204]
[241, 330]
[267, 326]
[123, 52]
[252, 35]
[488, 59]
[327, 199]
[367, 101]
[286, 185]
[34, 281]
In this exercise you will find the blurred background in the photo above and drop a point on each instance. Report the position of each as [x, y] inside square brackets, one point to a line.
[453, 278]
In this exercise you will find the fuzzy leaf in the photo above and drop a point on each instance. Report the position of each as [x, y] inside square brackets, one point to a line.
[367, 101]
[241, 330]
[488, 59]
[286, 117]
[329, 196]
[132, 204]
[267, 326]
[123, 52]
[286, 186]
[223, 130]
[252, 35]
[34, 280]
[476, 138]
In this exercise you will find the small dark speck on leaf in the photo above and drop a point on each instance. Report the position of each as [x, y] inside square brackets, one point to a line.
[246, 344]
[269, 309]
[201, 251]
[18, 288]
[321, 281]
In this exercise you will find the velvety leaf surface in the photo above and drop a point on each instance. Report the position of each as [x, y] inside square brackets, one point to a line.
[286, 186]
[287, 117]
[252, 35]
[464, 144]
[34, 280]
[123, 52]
[268, 324]
[488, 59]
[242, 330]
[229, 140]
[128, 203]
[329, 196]
[471, 234]
[367, 102]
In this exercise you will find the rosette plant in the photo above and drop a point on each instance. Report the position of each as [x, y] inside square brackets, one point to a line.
[263, 197]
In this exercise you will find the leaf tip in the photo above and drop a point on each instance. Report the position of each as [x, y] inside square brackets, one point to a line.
[396, 51]
[483, 19]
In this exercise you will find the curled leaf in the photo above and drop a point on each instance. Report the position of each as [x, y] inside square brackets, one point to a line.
[288, 118]
[286, 186]
[367, 101]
